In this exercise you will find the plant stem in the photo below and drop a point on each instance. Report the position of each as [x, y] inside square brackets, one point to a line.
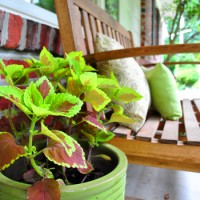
[31, 133]
[11, 121]
[64, 175]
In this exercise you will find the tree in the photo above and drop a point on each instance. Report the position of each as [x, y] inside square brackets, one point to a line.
[184, 16]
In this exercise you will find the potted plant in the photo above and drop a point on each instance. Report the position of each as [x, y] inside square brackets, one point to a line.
[50, 143]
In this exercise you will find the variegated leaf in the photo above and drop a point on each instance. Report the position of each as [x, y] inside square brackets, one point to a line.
[120, 118]
[97, 98]
[69, 155]
[9, 150]
[103, 136]
[86, 170]
[127, 95]
[16, 96]
[93, 121]
[46, 189]
[89, 79]
[44, 86]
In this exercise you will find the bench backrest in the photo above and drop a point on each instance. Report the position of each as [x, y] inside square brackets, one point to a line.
[81, 20]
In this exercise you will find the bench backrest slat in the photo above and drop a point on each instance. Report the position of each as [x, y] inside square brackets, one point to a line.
[82, 20]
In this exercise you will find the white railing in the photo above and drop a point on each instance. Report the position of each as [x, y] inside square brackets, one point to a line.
[29, 11]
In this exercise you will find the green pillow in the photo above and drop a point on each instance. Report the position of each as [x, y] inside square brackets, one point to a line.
[164, 92]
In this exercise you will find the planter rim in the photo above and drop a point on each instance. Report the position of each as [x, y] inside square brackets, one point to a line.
[81, 186]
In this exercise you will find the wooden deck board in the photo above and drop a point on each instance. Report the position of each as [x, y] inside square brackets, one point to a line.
[191, 124]
[149, 129]
[170, 132]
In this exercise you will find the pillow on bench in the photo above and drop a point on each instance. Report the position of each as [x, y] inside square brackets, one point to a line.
[129, 74]
[164, 92]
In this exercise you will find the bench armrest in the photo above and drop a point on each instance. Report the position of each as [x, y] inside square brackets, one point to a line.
[143, 51]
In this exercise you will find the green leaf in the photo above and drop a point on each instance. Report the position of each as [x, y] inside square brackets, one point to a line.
[13, 71]
[120, 118]
[63, 104]
[127, 95]
[9, 150]
[76, 62]
[73, 87]
[47, 59]
[97, 98]
[45, 189]
[69, 155]
[103, 136]
[89, 79]
[88, 68]
[104, 156]
[90, 138]
[16, 96]
[32, 96]
[107, 83]
[117, 108]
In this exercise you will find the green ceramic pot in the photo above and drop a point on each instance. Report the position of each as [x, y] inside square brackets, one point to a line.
[110, 186]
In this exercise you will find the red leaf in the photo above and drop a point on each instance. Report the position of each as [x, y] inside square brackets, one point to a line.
[86, 170]
[65, 106]
[46, 189]
[9, 150]
[93, 121]
[44, 89]
[4, 103]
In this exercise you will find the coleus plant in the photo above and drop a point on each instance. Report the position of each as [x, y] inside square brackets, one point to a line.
[57, 118]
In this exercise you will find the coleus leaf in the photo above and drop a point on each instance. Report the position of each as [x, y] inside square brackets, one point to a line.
[126, 95]
[63, 104]
[103, 136]
[32, 96]
[9, 150]
[89, 79]
[73, 87]
[47, 59]
[16, 96]
[86, 170]
[92, 120]
[46, 189]
[76, 61]
[13, 71]
[67, 153]
[103, 156]
[120, 118]
[107, 83]
[88, 68]
[117, 108]
[44, 86]
[97, 98]
[90, 138]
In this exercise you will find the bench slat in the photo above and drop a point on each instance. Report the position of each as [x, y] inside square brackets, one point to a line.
[170, 132]
[88, 32]
[197, 103]
[149, 129]
[79, 33]
[105, 30]
[122, 131]
[191, 124]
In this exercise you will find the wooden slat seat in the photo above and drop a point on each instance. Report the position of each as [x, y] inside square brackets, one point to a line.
[160, 143]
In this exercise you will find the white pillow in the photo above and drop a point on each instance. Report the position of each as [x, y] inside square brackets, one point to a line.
[129, 74]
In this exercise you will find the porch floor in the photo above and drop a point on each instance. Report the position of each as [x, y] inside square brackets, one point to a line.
[149, 183]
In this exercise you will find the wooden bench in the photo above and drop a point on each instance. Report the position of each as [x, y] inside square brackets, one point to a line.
[160, 143]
